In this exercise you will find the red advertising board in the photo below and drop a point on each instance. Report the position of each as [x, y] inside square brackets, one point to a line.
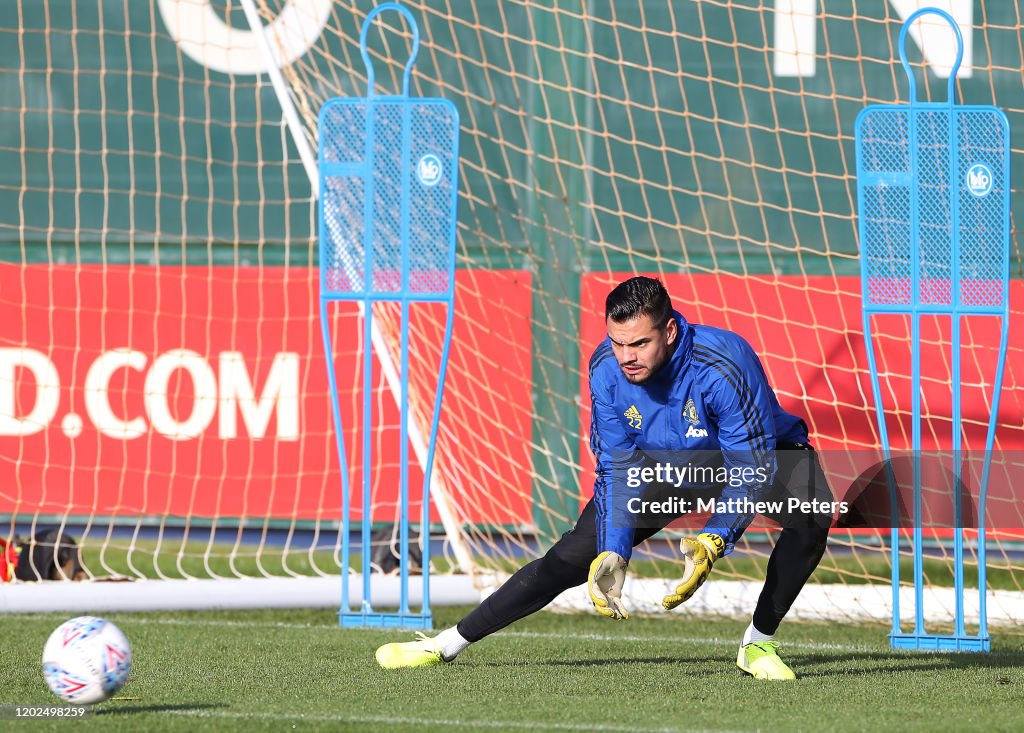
[808, 332]
[202, 392]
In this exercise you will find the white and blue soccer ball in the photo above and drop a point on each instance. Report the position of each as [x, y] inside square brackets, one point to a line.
[86, 660]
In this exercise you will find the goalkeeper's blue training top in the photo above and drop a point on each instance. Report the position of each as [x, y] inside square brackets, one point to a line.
[712, 396]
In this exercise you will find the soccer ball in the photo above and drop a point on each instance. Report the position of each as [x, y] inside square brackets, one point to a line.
[86, 660]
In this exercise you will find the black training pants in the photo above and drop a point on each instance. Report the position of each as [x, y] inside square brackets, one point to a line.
[566, 565]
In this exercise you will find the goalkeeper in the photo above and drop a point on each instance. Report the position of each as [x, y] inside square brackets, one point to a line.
[660, 384]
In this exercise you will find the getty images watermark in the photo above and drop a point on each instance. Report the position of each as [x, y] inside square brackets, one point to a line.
[796, 486]
[689, 476]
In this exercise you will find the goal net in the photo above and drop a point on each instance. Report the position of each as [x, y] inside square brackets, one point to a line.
[163, 393]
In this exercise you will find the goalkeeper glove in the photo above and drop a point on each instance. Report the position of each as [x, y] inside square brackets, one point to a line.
[698, 557]
[607, 574]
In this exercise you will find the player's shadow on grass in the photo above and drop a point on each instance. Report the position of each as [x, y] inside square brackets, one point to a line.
[601, 662]
[861, 663]
[868, 662]
[598, 662]
[136, 709]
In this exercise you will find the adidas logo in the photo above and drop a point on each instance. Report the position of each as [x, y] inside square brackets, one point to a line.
[695, 432]
[635, 418]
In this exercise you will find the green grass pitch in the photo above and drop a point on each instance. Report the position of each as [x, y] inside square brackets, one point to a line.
[296, 670]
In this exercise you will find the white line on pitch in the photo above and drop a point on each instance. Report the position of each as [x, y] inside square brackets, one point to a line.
[810, 645]
[695, 640]
[389, 720]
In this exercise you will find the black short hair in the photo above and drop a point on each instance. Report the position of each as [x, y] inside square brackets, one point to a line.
[639, 296]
